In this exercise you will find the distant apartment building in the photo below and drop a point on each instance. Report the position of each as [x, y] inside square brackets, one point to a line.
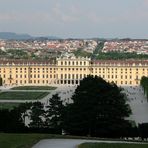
[70, 70]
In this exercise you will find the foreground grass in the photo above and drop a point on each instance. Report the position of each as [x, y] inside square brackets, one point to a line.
[112, 145]
[20, 140]
[8, 105]
[33, 88]
[22, 95]
[28, 140]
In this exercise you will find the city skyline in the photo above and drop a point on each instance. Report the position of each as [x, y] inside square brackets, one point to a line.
[76, 19]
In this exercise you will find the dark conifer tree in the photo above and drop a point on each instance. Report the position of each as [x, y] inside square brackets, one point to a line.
[37, 115]
[54, 112]
[98, 108]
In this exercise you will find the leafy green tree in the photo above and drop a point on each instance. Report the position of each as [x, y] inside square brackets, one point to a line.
[24, 110]
[54, 112]
[98, 108]
[37, 115]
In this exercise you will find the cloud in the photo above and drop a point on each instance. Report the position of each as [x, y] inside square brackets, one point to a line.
[65, 15]
[7, 17]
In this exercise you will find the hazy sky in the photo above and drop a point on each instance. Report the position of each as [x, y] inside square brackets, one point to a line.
[76, 18]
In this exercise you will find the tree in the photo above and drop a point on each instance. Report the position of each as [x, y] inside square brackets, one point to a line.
[11, 120]
[54, 113]
[37, 115]
[98, 109]
[24, 109]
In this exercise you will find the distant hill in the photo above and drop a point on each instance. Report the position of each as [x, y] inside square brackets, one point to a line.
[15, 36]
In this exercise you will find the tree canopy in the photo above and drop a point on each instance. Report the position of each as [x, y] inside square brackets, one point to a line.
[98, 108]
[54, 112]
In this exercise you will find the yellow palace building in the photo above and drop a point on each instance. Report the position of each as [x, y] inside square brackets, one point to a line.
[70, 70]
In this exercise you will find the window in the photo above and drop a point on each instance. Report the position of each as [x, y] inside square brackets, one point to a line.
[61, 76]
[65, 76]
[68, 76]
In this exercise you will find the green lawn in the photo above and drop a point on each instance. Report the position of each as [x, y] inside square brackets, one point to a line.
[28, 140]
[33, 88]
[22, 95]
[20, 140]
[112, 145]
[8, 105]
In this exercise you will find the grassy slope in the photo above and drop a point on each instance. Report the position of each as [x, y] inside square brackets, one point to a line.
[19, 140]
[112, 145]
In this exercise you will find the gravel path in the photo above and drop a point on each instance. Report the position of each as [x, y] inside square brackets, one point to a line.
[68, 143]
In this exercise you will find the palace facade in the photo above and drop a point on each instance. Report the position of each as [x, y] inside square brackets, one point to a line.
[69, 71]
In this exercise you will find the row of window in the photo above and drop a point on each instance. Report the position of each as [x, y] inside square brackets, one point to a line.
[32, 81]
[73, 76]
[73, 63]
[73, 69]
